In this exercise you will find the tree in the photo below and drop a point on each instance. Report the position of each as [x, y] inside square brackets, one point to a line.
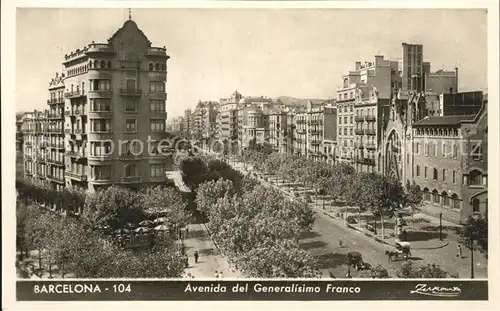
[342, 178]
[166, 202]
[194, 171]
[474, 235]
[209, 192]
[429, 271]
[377, 272]
[413, 198]
[113, 207]
[283, 259]
[383, 195]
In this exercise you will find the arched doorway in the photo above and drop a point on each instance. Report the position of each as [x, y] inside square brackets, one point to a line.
[393, 151]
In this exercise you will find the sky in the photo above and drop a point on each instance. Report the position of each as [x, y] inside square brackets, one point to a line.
[270, 52]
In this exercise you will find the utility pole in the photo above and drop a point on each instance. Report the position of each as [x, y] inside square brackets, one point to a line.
[472, 259]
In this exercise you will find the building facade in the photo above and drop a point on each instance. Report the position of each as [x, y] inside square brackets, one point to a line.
[106, 115]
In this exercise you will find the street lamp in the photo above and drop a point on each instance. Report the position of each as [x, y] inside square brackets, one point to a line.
[441, 226]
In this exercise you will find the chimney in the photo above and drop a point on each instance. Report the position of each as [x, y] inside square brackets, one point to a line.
[378, 59]
[456, 79]
[358, 65]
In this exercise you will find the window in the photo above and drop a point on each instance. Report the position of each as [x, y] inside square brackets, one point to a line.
[444, 174]
[446, 199]
[427, 194]
[435, 152]
[475, 178]
[475, 205]
[130, 125]
[407, 158]
[130, 104]
[426, 147]
[417, 147]
[351, 119]
[454, 154]
[352, 109]
[100, 125]
[418, 170]
[109, 64]
[100, 172]
[345, 131]
[345, 120]
[130, 170]
[435, 196]
[351, 130]
[425, 172]
[100, 148]
[351, 95]
[340, 96]
[156, 86]
[157, 67]
[455, 201]
[346, 83]
[435, 174]
[163, 67]
[100, 104]
[445, 150]
[156, 105]
[103, 64]
[101, 85]
[340, 120]
[157, 125]
[454, 176]
[157, 170]
[151, 68]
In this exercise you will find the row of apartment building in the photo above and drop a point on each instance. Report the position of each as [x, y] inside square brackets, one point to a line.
[105, 117]
[395, 117]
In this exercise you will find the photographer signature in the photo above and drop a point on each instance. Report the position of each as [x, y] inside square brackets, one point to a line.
[437, 291]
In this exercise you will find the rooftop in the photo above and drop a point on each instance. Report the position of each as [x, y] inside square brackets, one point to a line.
[443, 120]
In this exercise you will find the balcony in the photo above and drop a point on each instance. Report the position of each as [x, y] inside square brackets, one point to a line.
[55, 178]
[155, 51]
[370, 118]
[359, 145]
[76, 176]
[131, 179]
[300, 131]
[365, 161]
[28, 143]
[74, 94]
[56, 131]
[316, 132]
[101, 93]
[28, 157]
[67, 131]
[131, 92]
[40, 159]
[99, 47]
[371, 132]
[76, 154]
[43, 144]
[55, 161]
[130, 156]
[53, 116]
[359, 131]
[371, 146]
[100, 113]
[316, 142]
[359, 118]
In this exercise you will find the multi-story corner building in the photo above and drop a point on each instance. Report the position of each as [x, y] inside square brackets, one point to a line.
[19, 131]
[227, 118]
[300, 132]
[56, 135]
[188, 123]
[111, 101]
[204, 123]
[279, 130]
[255, 124]
[35, 128]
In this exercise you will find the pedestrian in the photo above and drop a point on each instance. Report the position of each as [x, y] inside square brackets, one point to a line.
[404, 234]
[216, 274]
[187, 230]
[340, 243]
[459, 251]
[220, 275]
[196, 257]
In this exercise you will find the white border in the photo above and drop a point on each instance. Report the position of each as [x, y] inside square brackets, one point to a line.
[8, 156]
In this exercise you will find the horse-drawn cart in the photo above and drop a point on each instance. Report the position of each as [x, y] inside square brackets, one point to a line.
[355, 260]
[403, 250]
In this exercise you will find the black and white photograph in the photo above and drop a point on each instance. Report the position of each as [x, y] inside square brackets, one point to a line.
[333, 150]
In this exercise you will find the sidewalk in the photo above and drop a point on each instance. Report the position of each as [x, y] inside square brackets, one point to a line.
[210, 259]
